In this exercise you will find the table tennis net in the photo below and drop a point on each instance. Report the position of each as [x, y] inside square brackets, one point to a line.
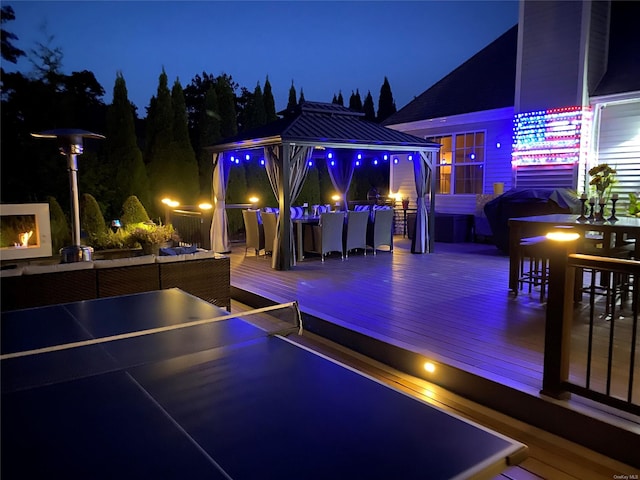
[51, 364]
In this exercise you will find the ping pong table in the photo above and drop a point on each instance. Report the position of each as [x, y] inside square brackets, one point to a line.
[88, 392]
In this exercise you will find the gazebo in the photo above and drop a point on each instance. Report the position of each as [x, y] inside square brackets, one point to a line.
[288, 145]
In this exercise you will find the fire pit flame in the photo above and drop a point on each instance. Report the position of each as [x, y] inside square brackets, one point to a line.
[24, 239]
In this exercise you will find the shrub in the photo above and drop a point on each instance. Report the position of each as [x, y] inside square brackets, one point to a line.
[60, 229]
[133, 212]
[152, 234]
[91, 219]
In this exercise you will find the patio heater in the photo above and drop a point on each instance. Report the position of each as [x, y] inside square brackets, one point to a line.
[70, 143]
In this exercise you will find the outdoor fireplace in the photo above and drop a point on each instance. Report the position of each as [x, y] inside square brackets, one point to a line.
[25, 231]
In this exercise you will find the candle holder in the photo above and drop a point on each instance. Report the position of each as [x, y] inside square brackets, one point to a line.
[582, 217]
[591, 217]
[613, 217]
[600, 213]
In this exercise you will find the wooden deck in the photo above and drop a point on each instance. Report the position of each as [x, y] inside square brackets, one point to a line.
[451, 307]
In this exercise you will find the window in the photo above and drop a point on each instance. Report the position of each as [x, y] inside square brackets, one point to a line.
[460, 163]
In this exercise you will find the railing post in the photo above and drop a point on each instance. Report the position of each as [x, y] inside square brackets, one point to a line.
[557, 341]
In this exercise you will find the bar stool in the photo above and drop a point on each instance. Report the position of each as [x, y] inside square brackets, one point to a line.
[534, 264]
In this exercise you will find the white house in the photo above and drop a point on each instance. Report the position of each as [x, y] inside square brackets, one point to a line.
[538, 107]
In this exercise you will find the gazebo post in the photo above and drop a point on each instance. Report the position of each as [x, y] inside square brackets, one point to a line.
[284, 258]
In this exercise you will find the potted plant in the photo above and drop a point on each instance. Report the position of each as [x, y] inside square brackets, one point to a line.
[602, 179]
[151, 236]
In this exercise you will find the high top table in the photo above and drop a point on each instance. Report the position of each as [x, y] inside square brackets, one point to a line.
[614, 234]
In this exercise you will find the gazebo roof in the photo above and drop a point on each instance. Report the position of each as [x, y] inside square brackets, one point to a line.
[328, 125]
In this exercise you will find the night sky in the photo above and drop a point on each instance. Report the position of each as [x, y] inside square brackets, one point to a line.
[323, 47]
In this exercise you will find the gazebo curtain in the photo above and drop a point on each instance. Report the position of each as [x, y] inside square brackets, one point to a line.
[341, 173]
[219, 225]
[298, 167]
[421, 173]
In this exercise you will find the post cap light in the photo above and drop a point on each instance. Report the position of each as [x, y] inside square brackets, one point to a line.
[205, 206]
[170, 203]
[563, 235]
[335, 198]
[254, 199]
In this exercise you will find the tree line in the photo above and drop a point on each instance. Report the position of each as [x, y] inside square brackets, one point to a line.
[162, 154]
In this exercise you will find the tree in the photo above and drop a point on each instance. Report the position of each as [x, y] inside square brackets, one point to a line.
[225, 89]
[185, 165]
[301, 100]
[355, 102]
[209, 134]
[386, 104]
[91, 218]
[269, 102]
[335, 99]
[340, 100]
[171, 161]
[133, 212]
[128, 173]
[258, 114]
[292, 104]
[60, 229]
[10, 53]
[368, 108]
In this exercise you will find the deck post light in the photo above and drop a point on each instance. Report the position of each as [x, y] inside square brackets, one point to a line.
[70, 143]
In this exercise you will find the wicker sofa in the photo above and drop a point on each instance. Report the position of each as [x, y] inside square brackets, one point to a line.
[202, 274]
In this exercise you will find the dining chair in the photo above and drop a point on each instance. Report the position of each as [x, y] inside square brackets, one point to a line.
[380, 229]
[326, 237]
[356, 231]
[269, 221]
[254, 232]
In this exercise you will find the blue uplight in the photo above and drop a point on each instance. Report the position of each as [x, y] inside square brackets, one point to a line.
[385, 157]
[247, 157]
[329, 155]
[375, 162]
[395, 160]
[333, 164]
[359, 156]
[410, 158]
[310, 163]
[262, 162]
[472, 156]
[357, 163]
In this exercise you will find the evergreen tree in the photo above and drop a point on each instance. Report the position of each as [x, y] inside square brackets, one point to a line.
[128, 173]
[60, 229]
[386, 104]
[291, 105]
[171, 162]
[301, 100]
[259, 114]
[335, 99]
[91, 218]
[10, 53]
[209, 134]
[355, 102]
[226, 106]
[340, 100]
[368, 108]
[269, 102]
[133, 212]
[185, 164]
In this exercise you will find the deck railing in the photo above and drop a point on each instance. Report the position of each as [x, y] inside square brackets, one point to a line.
[591, 346]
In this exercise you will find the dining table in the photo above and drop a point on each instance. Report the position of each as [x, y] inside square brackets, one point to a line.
[611, 234]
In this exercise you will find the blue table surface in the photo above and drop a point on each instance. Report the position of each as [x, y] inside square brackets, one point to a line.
[220, 400]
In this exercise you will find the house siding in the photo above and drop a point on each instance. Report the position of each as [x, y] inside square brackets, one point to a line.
[598, 43]
[619, 146]
[550, 66]
[497, 164]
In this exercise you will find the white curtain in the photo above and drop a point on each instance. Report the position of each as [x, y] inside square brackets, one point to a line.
[219, 224]
[298, 168]
[421, 173]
